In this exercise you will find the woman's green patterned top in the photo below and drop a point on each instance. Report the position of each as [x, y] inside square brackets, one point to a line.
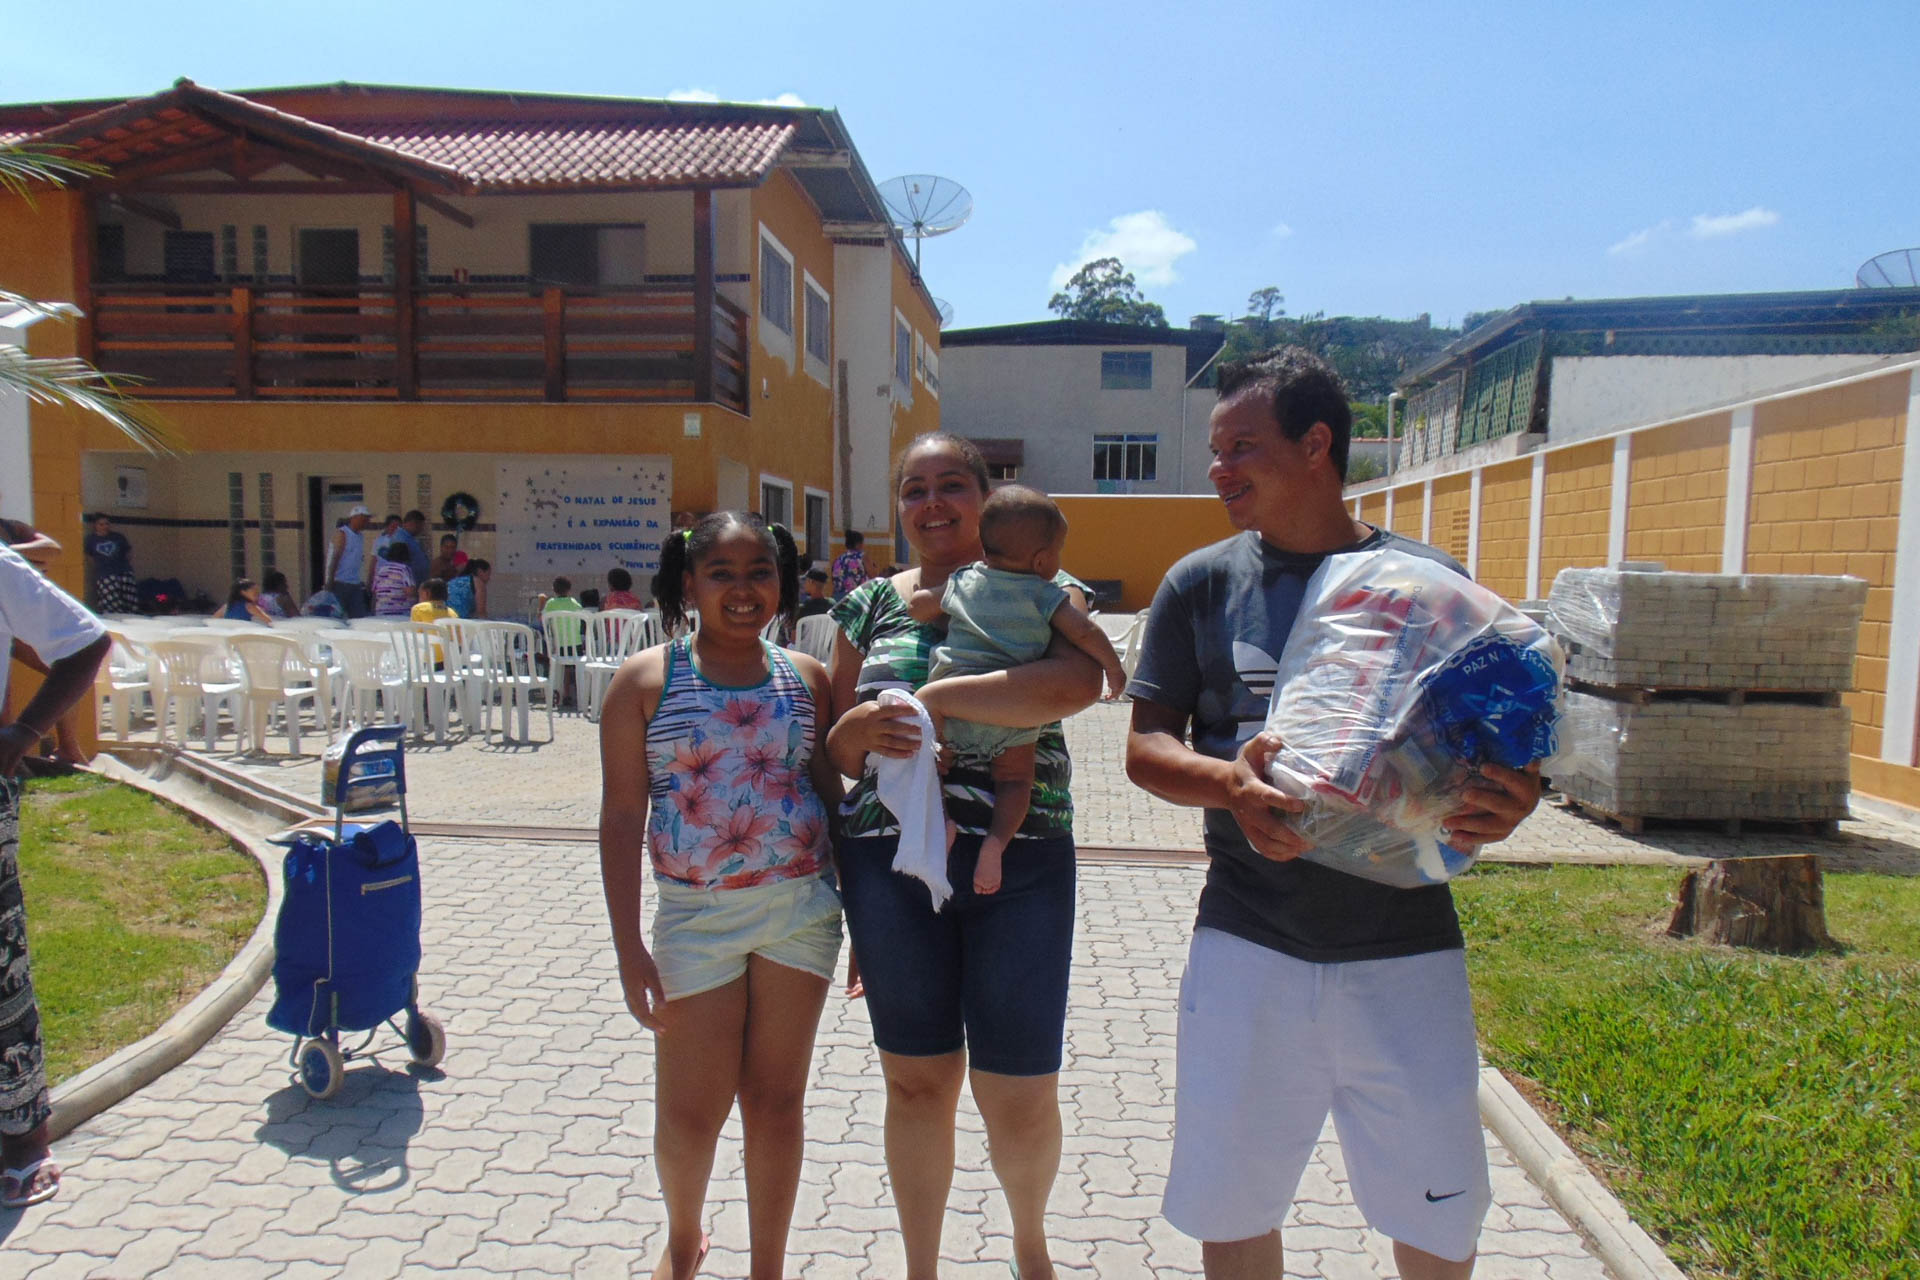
[898, 651]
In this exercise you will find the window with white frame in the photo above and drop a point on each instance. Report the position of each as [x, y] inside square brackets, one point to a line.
[902, 350]
[776, 500]
[1126, 457]
[930, 368]
[1126, 370]
[817, 316]
[776, 297]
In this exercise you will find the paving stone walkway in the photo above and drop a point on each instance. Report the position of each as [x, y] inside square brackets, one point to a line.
[528, 1152]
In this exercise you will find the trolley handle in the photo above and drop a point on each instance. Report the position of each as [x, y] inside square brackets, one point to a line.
[376, 740]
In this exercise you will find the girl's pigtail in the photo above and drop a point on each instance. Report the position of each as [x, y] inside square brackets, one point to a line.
[670, 591]
[787, 556]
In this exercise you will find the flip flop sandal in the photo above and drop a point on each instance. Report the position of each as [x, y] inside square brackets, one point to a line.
[25, 1179]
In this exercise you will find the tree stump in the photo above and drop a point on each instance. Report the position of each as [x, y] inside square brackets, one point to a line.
[1771, 904]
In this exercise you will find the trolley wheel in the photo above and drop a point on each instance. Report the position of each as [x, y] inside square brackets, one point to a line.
[322, 1068]
[426, 1038]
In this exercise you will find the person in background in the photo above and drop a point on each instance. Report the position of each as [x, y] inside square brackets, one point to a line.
[850, 566]
[394, 588]
[110, 556]
[590, 599]
[433, 602]
[275, 596]
[620, 591]
[39, 550]
[467, 593]
[389, 530]
[70, 643]
[323, 604]
[413, 535]
[243, 603]
[814, 596]
[443, 566]
[347, 563]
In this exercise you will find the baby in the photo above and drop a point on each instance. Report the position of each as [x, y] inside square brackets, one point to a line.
[1001, 613]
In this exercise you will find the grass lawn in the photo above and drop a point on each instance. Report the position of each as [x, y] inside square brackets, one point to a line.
[132, 908]
[1760, 1115]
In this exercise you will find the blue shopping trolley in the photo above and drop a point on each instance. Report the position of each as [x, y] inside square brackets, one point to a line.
[347, 943]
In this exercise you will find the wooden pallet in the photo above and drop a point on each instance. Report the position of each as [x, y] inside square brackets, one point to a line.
[1636, 824]
[1641, 696]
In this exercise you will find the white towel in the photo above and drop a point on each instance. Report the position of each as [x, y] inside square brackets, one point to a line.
[910, 789]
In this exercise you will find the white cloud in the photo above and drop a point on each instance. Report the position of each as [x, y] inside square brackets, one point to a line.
[1281, 231]
[1641, 238]
[1145, 242]
[1707, 226]
[788, 99]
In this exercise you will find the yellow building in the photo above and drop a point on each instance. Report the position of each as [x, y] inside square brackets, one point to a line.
[357, 294]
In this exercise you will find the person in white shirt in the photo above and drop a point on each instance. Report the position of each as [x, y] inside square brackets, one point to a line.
[71, 641]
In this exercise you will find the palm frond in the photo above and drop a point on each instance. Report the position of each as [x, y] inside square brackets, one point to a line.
[21, 167]
[38, 309]
[72, 382]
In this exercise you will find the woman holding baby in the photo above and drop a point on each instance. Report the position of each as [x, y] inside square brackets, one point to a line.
[978, 989]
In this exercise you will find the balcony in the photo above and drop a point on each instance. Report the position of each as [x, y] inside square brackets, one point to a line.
[464, 342]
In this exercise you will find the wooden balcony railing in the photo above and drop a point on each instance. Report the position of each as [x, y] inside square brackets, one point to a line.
[465, 342]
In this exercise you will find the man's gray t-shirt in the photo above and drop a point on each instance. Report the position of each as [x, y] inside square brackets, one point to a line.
[1209, 651]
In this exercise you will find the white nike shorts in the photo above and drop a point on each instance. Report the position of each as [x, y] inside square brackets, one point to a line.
[1269, 1045]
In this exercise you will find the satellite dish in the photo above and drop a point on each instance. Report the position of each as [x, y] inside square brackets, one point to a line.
[1896, 269]
[945, 309]
[922, 205]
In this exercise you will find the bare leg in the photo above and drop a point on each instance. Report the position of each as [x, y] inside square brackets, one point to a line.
[783, 1013]
[696, 1073]
[1418, 1264]
[1022, 1115]
[1012, 796]
[1257, 1259]
[922, 1094]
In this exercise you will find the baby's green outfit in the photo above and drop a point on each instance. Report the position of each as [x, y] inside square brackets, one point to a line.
[995, 620]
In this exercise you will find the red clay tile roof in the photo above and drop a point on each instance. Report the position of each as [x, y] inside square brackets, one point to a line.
[610, 153]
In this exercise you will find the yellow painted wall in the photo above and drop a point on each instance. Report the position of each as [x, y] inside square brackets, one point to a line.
[1573, 518]
[1452, 509]
[1373, 508]
[1409, 510]
[1677, 494]
[1506, 496]
[1137, 537]
[1826, 499]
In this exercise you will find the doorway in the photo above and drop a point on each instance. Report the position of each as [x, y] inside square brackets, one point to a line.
[329, 257]
[329, 499]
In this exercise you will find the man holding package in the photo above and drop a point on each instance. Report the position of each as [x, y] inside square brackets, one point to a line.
[1307, 990]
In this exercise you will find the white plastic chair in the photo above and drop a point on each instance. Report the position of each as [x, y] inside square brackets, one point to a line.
[278, 674]
[506, 650]
[125, 681]
[437, 691]
[565, 632]
[1129, 647]
[612, 637]
[375, 677]
[814, 636]
[197, 674]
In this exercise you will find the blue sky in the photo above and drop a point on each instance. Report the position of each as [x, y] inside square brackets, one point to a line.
[1367, 159]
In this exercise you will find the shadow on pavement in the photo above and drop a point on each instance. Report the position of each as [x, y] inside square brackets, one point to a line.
[361, 1132]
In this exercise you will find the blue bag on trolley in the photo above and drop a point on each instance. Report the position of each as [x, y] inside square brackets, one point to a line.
[366, 934]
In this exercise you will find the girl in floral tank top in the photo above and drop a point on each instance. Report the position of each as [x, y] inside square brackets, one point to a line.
[714, 776]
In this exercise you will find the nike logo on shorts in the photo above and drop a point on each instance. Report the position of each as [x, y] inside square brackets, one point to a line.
[1434, 1199]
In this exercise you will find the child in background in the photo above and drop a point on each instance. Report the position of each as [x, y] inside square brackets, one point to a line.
[433, 602]
[1003, 612]
[589, 599]
[620, 591]
[276, 598]
[393, 584]
[712, 761]
[243, 603]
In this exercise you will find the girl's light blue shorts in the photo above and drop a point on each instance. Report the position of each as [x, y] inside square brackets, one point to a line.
[702, 937]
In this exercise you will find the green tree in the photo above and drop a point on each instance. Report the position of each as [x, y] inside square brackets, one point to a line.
[1104, 291]
[1361, 470]
[66, 380]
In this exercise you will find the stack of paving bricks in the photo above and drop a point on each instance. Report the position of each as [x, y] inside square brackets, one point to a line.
[1707, 696]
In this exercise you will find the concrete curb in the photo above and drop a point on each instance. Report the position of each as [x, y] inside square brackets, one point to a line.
[133, 1068]
[1628, 1252]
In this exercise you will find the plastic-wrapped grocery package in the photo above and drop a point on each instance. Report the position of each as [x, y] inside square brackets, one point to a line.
[1399, 678]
